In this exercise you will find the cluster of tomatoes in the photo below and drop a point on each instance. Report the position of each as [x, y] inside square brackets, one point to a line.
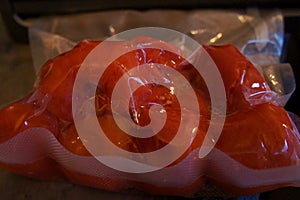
[257, 133]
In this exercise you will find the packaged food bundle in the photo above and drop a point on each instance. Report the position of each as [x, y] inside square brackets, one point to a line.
[150, 123]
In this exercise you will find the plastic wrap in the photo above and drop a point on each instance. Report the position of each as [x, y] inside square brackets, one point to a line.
[258, 34]
[257, 150]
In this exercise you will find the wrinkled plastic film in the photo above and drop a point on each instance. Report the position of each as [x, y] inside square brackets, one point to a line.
[266, 47]
[257, 33]
[45, 45]
[280, 78]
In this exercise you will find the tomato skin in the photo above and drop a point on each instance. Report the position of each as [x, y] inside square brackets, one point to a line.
[134, 59]
[57, 78]
[70, 139]
[23, 115]
[260, 137]
[244, 85]
[20, 116]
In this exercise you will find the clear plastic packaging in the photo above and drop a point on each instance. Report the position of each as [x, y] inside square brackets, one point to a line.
[258, 34]
[257, 150]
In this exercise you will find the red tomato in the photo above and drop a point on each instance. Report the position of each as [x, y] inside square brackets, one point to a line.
[144, 97]
[134, 59]
[23, 115]
[256, 134]
[244, 85]
[70, 139]
[57, 77]
[260, 137]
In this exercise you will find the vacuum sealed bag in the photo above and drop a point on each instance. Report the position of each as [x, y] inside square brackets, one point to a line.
[161, 116]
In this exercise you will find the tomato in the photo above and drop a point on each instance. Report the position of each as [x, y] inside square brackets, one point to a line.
[57, 77]
[256, 134]
[70, 139]
[25, 114]
[134, 59]
[142, 99]
[20, 116]
[260, 137]
[244, 85]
